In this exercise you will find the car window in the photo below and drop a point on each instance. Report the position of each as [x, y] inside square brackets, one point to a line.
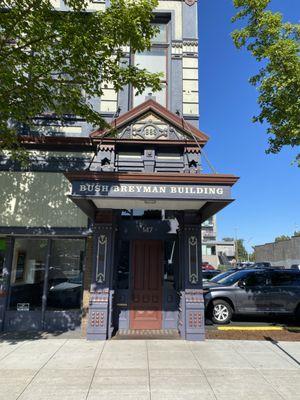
[256, 279]
[233, 278]
[218, 277]
[285, 279]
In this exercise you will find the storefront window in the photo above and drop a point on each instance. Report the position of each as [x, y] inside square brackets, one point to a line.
[27, 276]
[2, 259]
[65, 274]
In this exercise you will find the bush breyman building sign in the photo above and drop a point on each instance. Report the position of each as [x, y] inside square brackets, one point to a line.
[143, 190]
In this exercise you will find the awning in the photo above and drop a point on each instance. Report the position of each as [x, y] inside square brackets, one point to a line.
[205, 193]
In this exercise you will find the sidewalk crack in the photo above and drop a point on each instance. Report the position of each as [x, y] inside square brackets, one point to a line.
[32, 379]
[95, 369]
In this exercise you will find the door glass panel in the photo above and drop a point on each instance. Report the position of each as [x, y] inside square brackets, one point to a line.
[123, 265]
[27, 276]
[169, 263]
[65, 274]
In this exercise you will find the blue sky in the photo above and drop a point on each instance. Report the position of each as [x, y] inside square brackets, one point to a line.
[268, 194]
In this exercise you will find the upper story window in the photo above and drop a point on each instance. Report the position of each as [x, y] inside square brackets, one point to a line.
[155, 60]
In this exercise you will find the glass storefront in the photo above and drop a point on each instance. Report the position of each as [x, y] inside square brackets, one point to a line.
[2, 260]
[56, 285]
[65, 274]
[27, 274]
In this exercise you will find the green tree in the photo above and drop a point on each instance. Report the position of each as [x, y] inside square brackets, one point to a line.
[282, 237]
[241, 252]
[297, 233]
[252, 257]
[276, 46]
[59, 61]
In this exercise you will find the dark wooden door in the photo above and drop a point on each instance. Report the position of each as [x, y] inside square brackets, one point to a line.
[146, 288]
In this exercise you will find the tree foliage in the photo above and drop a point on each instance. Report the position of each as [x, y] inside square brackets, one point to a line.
[241, 252]
[276, 46]
[59, 61]
[281, 238]
[297, 233]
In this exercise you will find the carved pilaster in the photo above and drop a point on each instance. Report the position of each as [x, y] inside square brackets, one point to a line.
[101, 298]
[191, 316]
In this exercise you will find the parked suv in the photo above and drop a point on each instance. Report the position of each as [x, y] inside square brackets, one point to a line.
[254, 291]
[296, 267]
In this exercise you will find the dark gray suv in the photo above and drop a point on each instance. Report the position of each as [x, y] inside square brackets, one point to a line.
[254, 291]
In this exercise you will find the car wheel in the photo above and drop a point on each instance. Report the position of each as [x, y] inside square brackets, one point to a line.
[221, 312]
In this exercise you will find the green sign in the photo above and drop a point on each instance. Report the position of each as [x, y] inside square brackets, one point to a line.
[2, 245]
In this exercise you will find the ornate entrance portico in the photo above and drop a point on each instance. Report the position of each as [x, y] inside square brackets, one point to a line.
[146, 199]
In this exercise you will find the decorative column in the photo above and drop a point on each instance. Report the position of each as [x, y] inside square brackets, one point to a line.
[99, 326]
[191, 315]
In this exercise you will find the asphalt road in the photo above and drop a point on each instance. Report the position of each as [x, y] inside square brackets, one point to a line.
[259, 321]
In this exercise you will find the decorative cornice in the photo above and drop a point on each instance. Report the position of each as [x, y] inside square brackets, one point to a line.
[214, 179]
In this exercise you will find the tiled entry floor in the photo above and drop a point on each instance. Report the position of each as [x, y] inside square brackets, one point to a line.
[74, 369]
[158, 334]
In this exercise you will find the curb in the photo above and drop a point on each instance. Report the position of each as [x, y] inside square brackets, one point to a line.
[253, 328]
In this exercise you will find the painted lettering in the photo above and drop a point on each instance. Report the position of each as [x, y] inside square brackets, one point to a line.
[83, 188]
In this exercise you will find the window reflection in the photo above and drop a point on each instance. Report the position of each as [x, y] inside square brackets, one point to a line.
[169, 274]
[123, 266]
[28, 272]
[154, 61]
[65, 274]
[162, 35]
[2, 260]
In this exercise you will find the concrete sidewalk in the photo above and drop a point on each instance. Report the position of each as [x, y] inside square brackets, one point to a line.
[74, 369]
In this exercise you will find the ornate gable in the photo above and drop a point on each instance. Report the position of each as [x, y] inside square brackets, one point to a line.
[153, 122]
[150, 127]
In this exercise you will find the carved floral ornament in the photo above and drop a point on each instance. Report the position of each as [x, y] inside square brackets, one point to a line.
[151, 131]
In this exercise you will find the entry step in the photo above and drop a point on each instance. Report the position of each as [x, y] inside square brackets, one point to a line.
[127, 334]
